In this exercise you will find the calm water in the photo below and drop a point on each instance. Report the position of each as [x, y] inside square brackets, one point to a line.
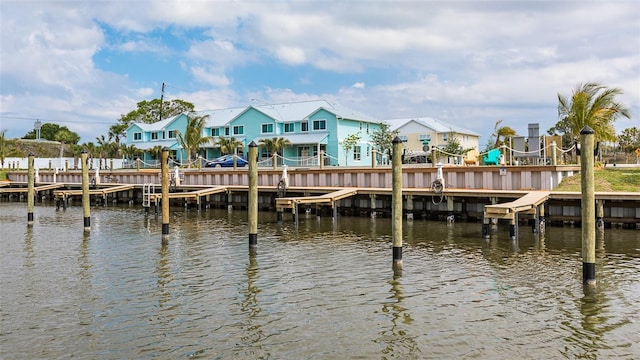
[322, 290]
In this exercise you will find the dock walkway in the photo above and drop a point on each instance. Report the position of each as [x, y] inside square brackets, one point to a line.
[531, 203]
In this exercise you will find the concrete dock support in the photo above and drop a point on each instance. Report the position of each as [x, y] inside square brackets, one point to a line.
[30, 189]
[396, 200]
[588, 206]
[164, 171]
[86, 198]
[409, 200]
[372, 206]
[253, 195]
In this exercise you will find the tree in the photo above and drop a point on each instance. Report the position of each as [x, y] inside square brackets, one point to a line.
[563, 128]
[149, 111]
[117, 131]
[348, 143]
[592, 105]
[629, 139]
[4, 149]
[50, 131]
[130, 151]
[274, 145]
[192, 139]
[381, 138]
[501, 133]
[229, 145]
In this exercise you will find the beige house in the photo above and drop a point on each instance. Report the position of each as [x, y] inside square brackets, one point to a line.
[420, 134]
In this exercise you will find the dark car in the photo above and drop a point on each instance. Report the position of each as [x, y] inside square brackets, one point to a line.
[227, 161]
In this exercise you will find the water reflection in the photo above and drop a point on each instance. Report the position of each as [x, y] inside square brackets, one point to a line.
[397, 340]
[252, 332]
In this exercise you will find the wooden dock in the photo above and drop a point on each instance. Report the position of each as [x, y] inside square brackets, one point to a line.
[36, 189]
[526, 204]
[329, 198]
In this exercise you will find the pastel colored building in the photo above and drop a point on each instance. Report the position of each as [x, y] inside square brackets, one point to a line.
[310, 127]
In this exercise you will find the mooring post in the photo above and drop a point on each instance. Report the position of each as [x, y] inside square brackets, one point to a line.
[450, 207]
[374, 161]
[513, 227]
[30, 189]
[86, 199]
[373, 205]
[274, 161]
[600, 214]
[396, 200]
[321, 159]
[409, 200]
[588, 206]
[554, 158]
[253, 195]
[164, 170]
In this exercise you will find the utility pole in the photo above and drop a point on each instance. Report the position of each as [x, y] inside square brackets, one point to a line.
[161, 100]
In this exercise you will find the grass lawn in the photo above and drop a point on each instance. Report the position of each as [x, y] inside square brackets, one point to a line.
[623, 179]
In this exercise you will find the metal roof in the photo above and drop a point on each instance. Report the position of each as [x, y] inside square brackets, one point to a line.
[146, 145]
[433, 124]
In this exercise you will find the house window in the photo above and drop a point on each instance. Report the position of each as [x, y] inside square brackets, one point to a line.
[404, 138]
[264, 152]
[137, 136]
[357, 153]
[423, 137]
[304, 126]
[289, 128]
[172, 134]
[367, 128]
[154, 136]
[267, 128]
[444, 137]
[215, 132]
[319, 124]
[238, 130]
[304, 151]
[226, 131]
[360, 125]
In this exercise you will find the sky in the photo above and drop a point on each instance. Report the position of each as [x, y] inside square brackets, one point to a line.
[83, 64]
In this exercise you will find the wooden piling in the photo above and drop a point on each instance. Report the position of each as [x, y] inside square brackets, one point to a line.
[86, 199]
[253, 195]
[372, 205]
[374, 161]
[30, 189]
[554, 158]
[409, 200]
[321, 159]
[396, 200]
[164, 171]
[588, 228]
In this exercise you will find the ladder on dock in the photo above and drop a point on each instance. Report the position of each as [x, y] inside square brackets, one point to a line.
[147, 191]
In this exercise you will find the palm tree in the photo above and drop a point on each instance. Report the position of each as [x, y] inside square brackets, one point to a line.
[275, 144]
[592, 105]
[229, 145]
[117, 131]
[192, 139]
[501, 133]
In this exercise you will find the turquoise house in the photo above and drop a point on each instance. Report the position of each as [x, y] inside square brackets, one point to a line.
[310, 127]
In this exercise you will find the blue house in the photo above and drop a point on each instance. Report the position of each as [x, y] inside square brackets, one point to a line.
[310, 127]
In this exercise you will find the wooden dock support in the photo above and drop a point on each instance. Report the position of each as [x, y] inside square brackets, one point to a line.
[164, 171]
[30, 190]
[409, 200]
[86, 198]
[396, 200]
[587, 186]
[372, 205]
[253, 195]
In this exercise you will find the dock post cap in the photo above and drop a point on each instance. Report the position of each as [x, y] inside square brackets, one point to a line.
[253, 144]
[30, 154]
[587, 130]
[84, 151]
[396, 140]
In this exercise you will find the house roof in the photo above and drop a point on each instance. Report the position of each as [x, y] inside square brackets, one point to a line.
[299, 139]
[146, 145]
[285, 112]
[433, 124]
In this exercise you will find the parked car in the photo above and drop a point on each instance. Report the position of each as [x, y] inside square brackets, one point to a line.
[227, 161]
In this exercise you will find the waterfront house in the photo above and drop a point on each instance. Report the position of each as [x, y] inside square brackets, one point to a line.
[310, 127]
[419, 135]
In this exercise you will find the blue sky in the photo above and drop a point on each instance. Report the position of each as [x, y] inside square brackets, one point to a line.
[82, 64]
